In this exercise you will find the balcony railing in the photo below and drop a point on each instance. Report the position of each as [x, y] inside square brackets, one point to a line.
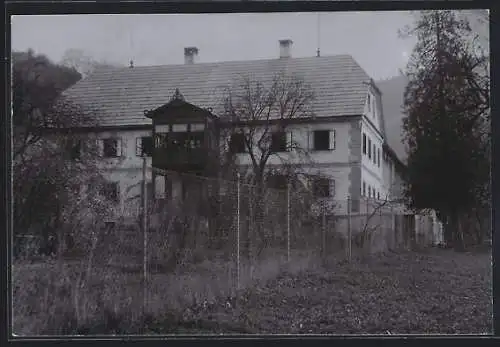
[166, 158]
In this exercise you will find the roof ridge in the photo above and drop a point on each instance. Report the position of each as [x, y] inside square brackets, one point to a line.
[238, 61]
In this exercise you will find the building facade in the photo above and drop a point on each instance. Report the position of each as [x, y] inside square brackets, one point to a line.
[344, 138]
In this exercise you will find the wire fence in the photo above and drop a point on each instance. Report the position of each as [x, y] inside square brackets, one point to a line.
[243, 233]
[209, 238]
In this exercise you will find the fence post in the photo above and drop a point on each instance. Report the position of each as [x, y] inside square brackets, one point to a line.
[144, 233]
[323, 229]
[366, 241]
[238, 233]
[349, 230]
[288, 222]
[415, 238]
[393, 228]
[381, 230]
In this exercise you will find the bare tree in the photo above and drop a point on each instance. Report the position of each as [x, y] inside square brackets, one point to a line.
[373, 220]
[259, 115]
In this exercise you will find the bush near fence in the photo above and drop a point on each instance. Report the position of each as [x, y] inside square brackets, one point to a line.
[245, 224]
[219, 237]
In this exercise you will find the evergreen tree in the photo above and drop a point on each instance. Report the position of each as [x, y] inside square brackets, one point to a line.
[446, 105]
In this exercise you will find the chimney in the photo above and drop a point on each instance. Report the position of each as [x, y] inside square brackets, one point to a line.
[286, 48]
[190, 55]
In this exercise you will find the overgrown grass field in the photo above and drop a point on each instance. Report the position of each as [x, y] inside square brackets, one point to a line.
[433, 291]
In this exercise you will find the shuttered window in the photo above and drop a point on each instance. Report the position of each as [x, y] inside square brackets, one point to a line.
[278, 142]
[110, 147]
[323, 140]
[321, 187]
[144, 146]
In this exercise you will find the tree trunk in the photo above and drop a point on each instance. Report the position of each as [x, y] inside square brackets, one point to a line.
[448, 231]
[455, 232]
[460, 244]
[259, 230]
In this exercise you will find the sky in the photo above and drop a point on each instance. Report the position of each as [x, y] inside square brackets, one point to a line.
[156, 39]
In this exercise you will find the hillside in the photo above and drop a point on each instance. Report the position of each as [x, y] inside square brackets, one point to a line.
[392, 102]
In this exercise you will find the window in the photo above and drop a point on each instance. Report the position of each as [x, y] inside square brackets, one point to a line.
[179, 140]
[321, 187]
[237, 143]
[110, 191]
[378, 195]
[321, 140]
[374, 156]
[364, 188]
[144, 146]
[369, 191]
[110, 148]
[195, 139]
[278, 142]
[364, 143]
[324, 140]
[75, 150]
[161, 140]
[197, 127]
[369, 103]
[179, 128]
[369, 149]
[378, 157]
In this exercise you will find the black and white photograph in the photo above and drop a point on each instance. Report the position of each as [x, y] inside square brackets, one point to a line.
[273, 173]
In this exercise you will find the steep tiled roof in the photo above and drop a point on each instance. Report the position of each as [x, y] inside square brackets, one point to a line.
[121, 95]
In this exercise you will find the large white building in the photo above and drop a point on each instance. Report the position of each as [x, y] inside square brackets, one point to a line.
[345, 138]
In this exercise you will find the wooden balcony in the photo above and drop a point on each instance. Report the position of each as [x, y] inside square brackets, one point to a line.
[181, 159]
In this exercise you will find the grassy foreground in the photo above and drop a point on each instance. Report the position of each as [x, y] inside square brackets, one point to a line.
[436, 291]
